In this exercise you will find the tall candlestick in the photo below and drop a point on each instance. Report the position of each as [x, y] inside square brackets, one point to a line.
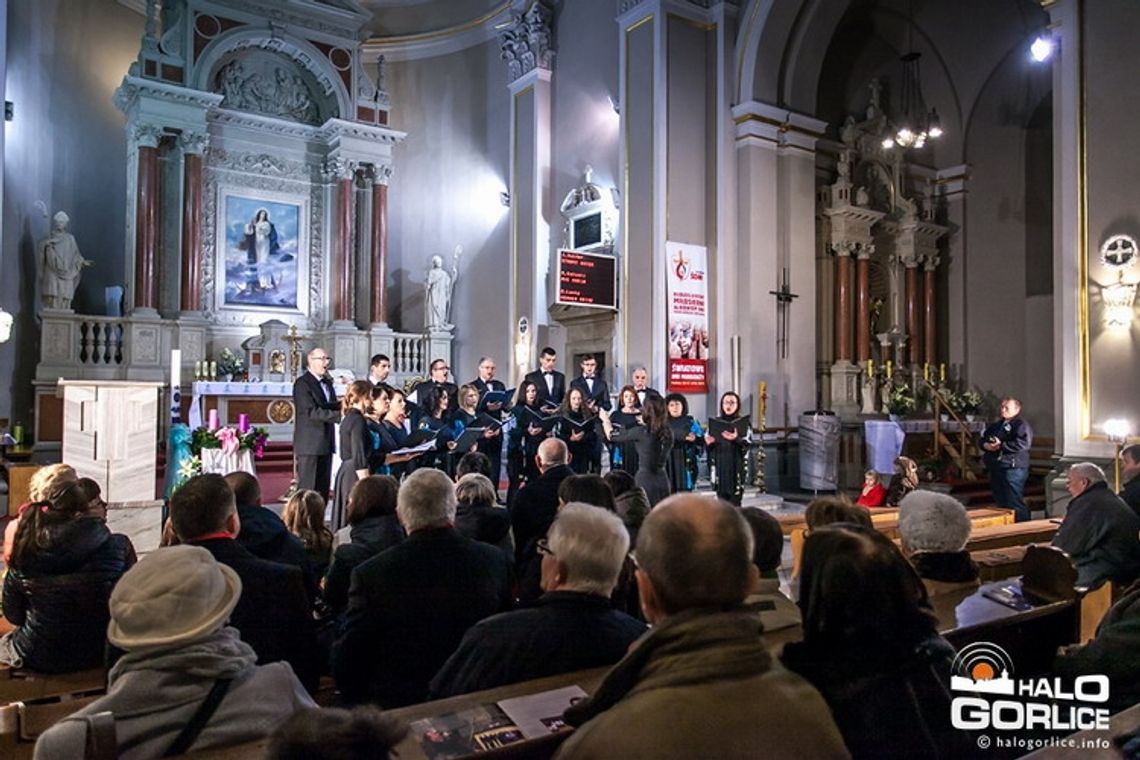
[926, 371]
[176, 385]
[888, 369]
[870, 368]
[942, 372]
[213, 373]
[212, 420]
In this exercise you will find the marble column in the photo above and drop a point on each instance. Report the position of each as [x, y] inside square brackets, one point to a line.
[193, 145]
[930, 315]
[378, 306]
[914, 335]
[863, 304]
[342, 173]
[147, 191]
[842, 302]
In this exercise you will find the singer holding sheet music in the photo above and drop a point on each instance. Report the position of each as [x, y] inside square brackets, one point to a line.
[728, 439]
[523, 439]
[577, 428]
[492, 445]
[623, 456]
[654, 441]
[357, 454]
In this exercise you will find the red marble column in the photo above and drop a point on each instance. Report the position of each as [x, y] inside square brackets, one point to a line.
[914, 336]
[379, 305]
[930, 317]
[343, 303]
[842, 305]
[191, 295]
[146, 229]
[862, 308]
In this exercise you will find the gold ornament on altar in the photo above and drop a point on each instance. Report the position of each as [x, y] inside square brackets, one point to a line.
[277, 362]
[280, 411]
[294, 341]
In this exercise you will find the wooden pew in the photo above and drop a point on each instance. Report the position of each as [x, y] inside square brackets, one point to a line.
[1012, 534]
[19, 685]
[21, 724]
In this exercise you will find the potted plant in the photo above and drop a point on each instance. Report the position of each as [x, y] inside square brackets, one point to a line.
[969, 402]
[229, 365]
[900, 402]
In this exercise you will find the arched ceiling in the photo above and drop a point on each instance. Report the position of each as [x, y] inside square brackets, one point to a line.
[402, 18]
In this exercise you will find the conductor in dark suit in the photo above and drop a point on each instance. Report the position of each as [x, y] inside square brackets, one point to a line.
[549, 382]
[410, 605]
[316, 412]
[493, 446]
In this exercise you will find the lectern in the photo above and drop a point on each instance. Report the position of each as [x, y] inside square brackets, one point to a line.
[110, 434]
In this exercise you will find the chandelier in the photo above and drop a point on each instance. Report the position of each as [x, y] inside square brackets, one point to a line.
[914, 125]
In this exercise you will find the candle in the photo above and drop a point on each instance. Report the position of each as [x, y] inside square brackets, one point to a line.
[243, 423]
[888, 368]
[926, 371]
[212, 420]
[213, 373]
[176, 385]
[870, 368]
[942, 372]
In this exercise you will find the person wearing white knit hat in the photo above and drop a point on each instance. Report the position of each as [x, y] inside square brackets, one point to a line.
[934, 529]
[187, 680]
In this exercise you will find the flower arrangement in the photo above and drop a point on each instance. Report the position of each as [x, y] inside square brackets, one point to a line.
[900, 401]
[229, 439]
[969, 401]
[229, 363]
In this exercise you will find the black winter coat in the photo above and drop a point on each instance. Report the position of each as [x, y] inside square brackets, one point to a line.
[59, 594]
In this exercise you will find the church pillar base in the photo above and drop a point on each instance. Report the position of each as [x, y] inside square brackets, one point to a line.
[845, 390]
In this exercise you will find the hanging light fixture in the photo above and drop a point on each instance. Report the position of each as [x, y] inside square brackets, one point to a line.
[915, 125]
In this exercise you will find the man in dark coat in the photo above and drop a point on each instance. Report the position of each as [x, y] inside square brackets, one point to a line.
[1006, 444]
[264, 534]
[537, 503]
[1099, 532]
[641, 387]
[492, 447]
[1130, 475]
[549, 382]
[573, 627]
[316, 410]
[596, 393]
[1114, 651]
[438, 371]
[410, 605]
[273, 612]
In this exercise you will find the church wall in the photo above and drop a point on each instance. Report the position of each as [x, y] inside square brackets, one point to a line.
[445, 191]
[66, 147]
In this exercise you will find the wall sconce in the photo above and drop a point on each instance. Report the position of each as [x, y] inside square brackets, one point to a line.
[1118, 300]
[5, 326]
[505, 199]
[1117, 430]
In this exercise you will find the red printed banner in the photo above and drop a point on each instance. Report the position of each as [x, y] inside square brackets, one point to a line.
[687, 317]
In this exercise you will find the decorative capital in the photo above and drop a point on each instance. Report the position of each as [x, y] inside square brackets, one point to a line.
[930, 263]
[526, 42]
[843, 247]
[381, 174]
[146, 135]
[866, 250]
[339, 168]
[193, 142]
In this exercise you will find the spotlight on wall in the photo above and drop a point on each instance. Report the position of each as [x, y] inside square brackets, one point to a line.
[1042, 48]
[9, 110]
[614, 104]
[5, 326]
[505, 199]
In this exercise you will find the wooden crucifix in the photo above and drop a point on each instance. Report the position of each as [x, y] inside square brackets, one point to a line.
[784, 298]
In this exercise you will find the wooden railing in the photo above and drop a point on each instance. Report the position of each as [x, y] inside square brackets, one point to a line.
[960, 447]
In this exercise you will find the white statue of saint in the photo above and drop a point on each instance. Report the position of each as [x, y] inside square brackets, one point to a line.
[60, 264]
[438, 286]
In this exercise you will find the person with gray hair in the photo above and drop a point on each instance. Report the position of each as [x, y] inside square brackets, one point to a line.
[701, 683]
[410, 605]
[572, 627]
[479, 516]
[1100, 532]
[537, 502]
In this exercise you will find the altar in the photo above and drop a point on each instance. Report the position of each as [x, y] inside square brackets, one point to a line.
[268, 405]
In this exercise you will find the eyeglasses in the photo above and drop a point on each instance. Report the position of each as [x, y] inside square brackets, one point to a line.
[322, 358]
[543, 547]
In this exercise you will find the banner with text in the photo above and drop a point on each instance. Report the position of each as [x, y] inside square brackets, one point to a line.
[687, 317]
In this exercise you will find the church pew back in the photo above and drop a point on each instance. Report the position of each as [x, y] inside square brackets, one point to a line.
[19, 685]
[21, 724]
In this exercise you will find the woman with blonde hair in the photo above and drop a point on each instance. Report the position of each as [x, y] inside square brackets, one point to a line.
[357, 454]
[45, 484]
[903, 481]
[304, 516]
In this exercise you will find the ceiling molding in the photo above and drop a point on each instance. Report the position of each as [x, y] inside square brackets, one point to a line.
[410, 47]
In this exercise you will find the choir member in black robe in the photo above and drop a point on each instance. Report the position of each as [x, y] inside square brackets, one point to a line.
[357, 454]
[726, 453]
[623, 456]
[687, 441]
[582, 443]
[523, 439]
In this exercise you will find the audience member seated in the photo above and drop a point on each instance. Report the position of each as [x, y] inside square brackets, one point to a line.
[537, 502]
[826, 510]
[169, 613]
[478, 514]
[477, 462]
[934, 529]
[63, 566]
[776, 610]
[304, 517]
[871, 646]
[45, 482]
[1100, 532]
[363, 733]
[1114, 652]
[409, 606]
[373, 527]
[630, 501]
[586, 489]
[273, 614]
[97, 508]
[1130, 474]
[873, 493]
[902, 482]
[264, 534]
[572, 627]
[701, 683]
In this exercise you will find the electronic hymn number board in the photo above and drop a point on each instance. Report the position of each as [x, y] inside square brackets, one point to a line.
[587, 279]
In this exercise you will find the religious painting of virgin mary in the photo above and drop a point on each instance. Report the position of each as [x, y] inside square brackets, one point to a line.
[263, 252]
